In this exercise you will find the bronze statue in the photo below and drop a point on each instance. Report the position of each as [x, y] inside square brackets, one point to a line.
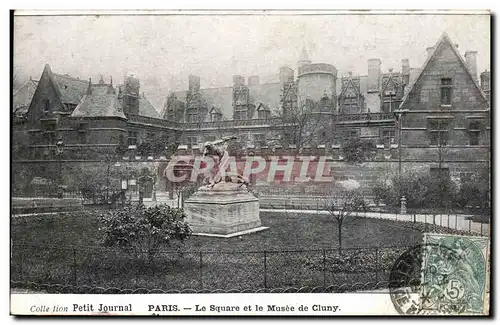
[218, 150]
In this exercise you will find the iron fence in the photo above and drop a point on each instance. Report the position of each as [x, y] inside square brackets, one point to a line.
[202, 270]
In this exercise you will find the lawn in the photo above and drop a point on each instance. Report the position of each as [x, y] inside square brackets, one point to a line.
[297, 250]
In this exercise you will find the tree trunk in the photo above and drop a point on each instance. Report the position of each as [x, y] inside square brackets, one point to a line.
[339, 223]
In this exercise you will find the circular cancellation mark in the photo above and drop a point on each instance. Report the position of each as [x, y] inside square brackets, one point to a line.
[422, 282]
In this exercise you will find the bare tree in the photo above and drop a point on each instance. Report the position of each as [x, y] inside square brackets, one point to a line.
[300, 121]
[342, 205]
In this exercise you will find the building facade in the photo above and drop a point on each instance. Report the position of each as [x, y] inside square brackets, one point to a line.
[435, 116]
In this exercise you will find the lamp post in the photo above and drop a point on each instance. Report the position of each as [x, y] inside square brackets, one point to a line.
[399, 117]
[59, 152]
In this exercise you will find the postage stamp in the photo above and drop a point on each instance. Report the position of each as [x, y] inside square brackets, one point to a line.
[454, 274]
[446, 275]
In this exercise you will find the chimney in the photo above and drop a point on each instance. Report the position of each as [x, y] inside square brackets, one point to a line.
[485, 80]
[238, 80]
[286, 75]
[89, 89]
[373, 74]
[470, 61]
[405, 71]
[429, 51]
[253, 81]
[194, 84]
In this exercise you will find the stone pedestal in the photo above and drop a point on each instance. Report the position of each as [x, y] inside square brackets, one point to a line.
[225, 210]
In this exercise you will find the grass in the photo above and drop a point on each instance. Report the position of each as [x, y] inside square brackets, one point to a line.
[301, 250]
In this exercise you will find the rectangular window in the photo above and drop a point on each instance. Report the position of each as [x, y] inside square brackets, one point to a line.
[50, 138]
[474, 133]
[262, 114]
[353, 133]
[132, 138]
[259, 139]
[192, 141]
[49, 126]
[438, 131]
[388, 137]
[216, 117]
[391, 103]
[241, 114]
[209, 138]
[350, 105]
[446, 91]
[192, 117]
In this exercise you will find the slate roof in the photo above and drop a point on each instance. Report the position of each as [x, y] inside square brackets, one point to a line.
[21, 99]
[72, 89]
[222, 97]
[99, 103]
[444, 38]
[147, 109]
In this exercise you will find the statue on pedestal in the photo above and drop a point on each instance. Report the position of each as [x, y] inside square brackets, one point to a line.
[218, 151]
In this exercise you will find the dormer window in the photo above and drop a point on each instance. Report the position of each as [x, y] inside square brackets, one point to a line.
[215, 117]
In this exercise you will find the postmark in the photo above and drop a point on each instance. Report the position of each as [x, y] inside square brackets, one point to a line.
[454, 274]
[446, 275]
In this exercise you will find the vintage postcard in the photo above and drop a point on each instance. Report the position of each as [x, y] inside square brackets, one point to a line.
[250, 163]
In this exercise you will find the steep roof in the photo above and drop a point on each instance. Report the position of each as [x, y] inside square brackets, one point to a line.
[444, 38]
[72, 89]
[21, 99]
[304, 54]
[99, 102]
[222, 97]
[147, 109]
[215, 110]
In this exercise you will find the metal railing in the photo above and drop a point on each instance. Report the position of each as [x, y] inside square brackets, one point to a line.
[178, 270]
[274, 121]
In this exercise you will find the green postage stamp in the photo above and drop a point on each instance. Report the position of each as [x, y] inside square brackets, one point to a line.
[455, 274]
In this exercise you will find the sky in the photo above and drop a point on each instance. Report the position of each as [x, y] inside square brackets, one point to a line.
[162, 50]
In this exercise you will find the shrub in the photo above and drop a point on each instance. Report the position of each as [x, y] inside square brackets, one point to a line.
[142, 232]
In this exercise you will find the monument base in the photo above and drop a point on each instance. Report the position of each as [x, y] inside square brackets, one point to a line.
[226, 209]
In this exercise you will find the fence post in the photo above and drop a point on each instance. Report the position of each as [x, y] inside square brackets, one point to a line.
[136, 275]
[265, 269]
[470, 221]
[324, 267]
[481, 228]
[201, 270]
[376, 264]
[456, 222]
[74, 266]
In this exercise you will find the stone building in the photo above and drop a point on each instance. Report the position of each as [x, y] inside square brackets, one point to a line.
[441, 111]
[445, 120]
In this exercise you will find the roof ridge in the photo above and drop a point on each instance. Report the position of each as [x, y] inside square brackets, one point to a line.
[24, 84]
[444, 36]
[68, 77]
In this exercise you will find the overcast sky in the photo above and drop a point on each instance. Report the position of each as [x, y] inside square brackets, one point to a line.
[163, 50]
